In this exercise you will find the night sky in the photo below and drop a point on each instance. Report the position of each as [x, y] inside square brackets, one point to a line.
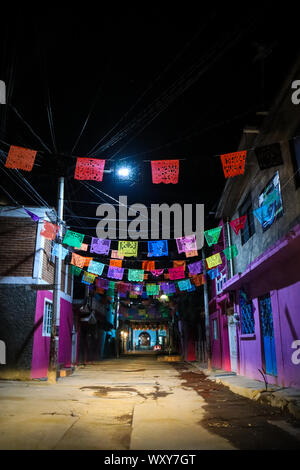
[181, 82]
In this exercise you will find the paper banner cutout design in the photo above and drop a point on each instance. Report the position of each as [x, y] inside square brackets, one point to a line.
[234, 163]
[34, 217]
[168, 287]
[158, 248]
[75, 270]
[269, 156]
[116, 262]
[20, 158]
[198, 280]
[164, 286]
[212, 235]
[213, 273]
[184, 285]
[102, 283]
[116, 255]
[267, 211]
[190, 254]
[73, 239]
[49, 230]
[231, 252]
[157, 272]
[152, 289]
[78, 260]
[136, 275]
[172, 288]
[176, 273]
[148, 265]
[84, 247]
[128, 248]
[87, 261]
[123, 287]
[88, 278]
[63, 253]
[100, 246]
[178, 262]
[89, 169]
[238, 224]
[95, 267]
[136, 289]
[265, 214]
[165, 171]
[185, 244]
[213, 260]
[195, 268]
[115, 273]
[111, 285]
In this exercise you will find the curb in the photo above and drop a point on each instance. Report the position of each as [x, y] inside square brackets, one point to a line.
[275, 398]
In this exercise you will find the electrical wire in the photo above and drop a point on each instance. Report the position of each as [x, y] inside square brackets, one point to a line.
[156, 80]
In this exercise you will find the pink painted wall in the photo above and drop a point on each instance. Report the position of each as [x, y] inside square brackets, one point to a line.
[41, 344]
[226, 365]
[65, 333]
[220, 347]
[216, 353]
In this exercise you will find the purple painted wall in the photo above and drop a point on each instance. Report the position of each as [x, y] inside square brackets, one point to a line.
[286, 308]
[41, 344]
[286, 322]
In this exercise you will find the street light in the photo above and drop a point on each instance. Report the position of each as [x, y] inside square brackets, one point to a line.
[124, 172]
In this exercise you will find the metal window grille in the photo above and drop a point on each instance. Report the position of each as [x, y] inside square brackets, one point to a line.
[247, 317]
[47, 320]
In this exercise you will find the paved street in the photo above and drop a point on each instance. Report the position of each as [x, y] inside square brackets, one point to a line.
[134, 403]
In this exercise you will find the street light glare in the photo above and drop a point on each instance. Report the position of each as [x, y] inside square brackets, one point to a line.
[123, 171]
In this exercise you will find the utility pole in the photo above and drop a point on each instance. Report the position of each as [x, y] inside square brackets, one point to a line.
[206, 309]
[52, 370]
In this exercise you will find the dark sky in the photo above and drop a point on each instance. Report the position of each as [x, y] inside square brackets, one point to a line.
[186, 80]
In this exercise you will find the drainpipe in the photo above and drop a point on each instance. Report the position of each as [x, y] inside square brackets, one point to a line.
[229, 244]
[206, 309]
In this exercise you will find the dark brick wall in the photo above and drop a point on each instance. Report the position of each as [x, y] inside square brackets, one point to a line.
[17, 246]
[17, 312]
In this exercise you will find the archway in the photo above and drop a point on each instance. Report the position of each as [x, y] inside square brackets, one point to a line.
[144, 340]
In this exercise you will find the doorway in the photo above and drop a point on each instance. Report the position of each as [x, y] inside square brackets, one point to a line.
[267, 331]
[144, 340]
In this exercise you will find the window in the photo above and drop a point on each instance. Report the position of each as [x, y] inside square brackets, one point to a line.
[47, 319]
[215, 328]
[247, 317]
[249, 229]
[295, 155]
[275, 209]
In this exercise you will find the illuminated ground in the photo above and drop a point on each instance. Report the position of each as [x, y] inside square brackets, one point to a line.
[137, 402]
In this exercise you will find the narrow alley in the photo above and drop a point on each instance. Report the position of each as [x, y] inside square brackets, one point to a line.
[137, 402]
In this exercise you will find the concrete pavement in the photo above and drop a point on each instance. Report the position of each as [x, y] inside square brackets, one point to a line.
[132, 403]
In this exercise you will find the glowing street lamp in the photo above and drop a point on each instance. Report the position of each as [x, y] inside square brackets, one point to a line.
[124, 172]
